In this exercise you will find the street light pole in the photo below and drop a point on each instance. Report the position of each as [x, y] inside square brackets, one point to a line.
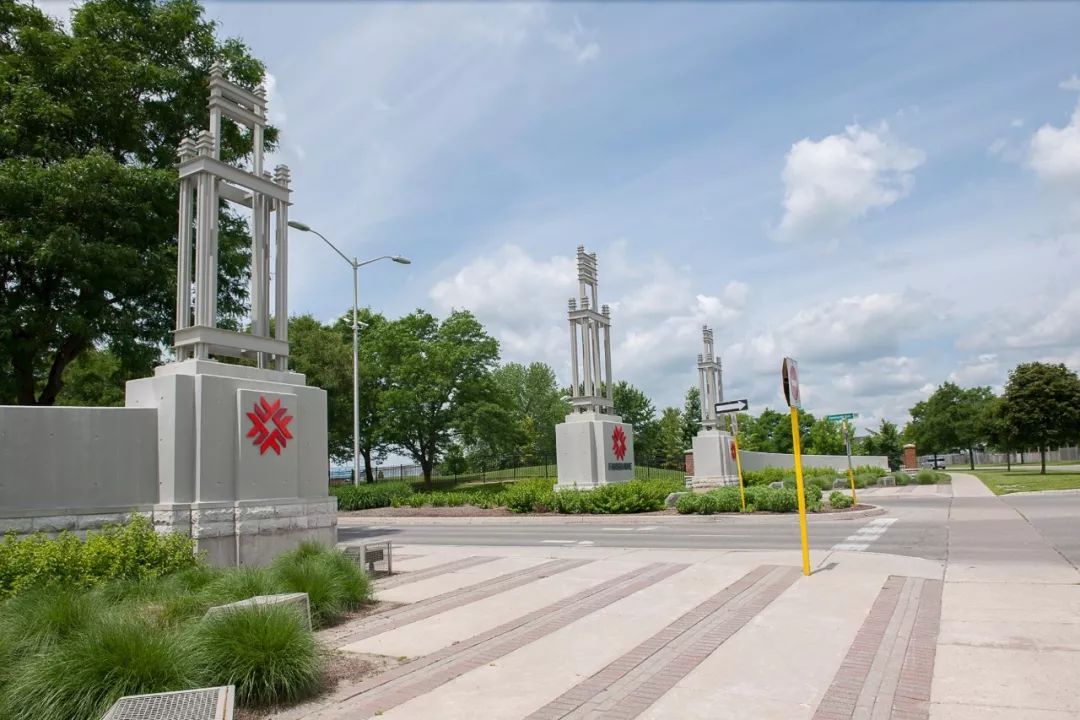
[355, 265]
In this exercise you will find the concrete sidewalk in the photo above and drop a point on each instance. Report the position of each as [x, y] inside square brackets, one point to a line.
[546, 632]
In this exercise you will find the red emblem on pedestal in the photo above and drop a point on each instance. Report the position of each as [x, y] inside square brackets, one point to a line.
[270, 426]
[618, 442]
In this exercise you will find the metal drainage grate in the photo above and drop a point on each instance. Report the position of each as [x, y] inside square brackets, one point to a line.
[374, 557]
[202, 704]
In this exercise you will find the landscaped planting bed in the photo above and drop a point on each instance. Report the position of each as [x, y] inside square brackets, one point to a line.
[86, 622]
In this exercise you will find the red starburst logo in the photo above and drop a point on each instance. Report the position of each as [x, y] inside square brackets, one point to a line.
[270, 426]
[618, 442]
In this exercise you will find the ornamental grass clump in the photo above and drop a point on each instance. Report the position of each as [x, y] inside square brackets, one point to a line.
[82, 677]
[266, 651]
[42, 618]
[333, 583]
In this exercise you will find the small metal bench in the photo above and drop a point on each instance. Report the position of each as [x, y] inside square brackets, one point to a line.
[368, 555]
[214, 703]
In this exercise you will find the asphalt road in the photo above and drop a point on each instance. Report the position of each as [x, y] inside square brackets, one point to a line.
[917, 526]
[919, 530]
[1056, 515]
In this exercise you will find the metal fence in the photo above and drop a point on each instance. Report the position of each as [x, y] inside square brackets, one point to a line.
[505, 470]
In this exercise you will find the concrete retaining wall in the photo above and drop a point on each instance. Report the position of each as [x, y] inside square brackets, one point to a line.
[752, 460]
[64, 457]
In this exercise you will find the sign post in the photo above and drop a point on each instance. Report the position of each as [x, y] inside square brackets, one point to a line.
[844, 417]
[738, 458]
[789, 373]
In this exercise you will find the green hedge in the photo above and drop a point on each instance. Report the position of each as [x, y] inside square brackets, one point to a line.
[370, 495]
[839, 501]
[758, 498]
[132, 552]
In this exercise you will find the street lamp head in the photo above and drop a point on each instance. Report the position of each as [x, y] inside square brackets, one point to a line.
[401, 260]
[302, 227]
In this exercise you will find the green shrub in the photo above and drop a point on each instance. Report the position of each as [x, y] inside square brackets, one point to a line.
[926, 477]
[901, 477]
[240, 584]
[266, 652]
[874, 470]
[528, 495]
[764, 476]
[117, 656]
[864, 480]
[839, 500]
[758, 498]
[370, 495]
[131, 552]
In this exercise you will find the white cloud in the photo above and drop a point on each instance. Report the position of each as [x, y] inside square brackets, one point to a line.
[1072, 83]
[275, 103]
[846, 330]
[1057, 325]
[985, 369]
[881, 376]
[1017, 122]
[833, 181]
[1055, 152]
[576, 42]
[998, 146]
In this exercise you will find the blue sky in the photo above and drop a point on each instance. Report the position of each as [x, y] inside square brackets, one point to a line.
[889, 193]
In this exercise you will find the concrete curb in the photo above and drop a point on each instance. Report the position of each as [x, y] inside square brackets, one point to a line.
[1071, 491]
[361, 521]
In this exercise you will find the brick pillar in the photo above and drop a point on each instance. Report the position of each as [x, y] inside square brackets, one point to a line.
[911, 462]
[689, 457]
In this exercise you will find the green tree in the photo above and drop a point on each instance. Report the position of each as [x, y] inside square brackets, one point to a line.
[1042, 406]
[771, 431]
[691, 416]
[89, 124]
[94, 379]
[885, 441]
[950, 419]
[440, 385]
[636, 408]
[537, 405]
[825, 438]
[998, 429]
[669, 438]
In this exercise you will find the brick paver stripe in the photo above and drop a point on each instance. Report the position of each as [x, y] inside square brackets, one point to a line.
[429, 607]
[405, 578]
[633, 682]
[425, 674]
[888, 669]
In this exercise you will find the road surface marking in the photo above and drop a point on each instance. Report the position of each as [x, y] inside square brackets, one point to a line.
[862, 538]
[559, 542]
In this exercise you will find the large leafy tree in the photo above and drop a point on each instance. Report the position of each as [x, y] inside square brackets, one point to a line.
[885, 441]
[951, 419]
[440, 385]
[635, 407]
[998, 429]
[771, 431]
[825, 438]
[89, 124]
[669, 438]
[1042, 406]
[537, 404]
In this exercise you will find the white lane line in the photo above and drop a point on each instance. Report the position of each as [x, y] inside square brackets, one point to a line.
[559, 542]
[585, 542]
[862, 538]
[648, 527]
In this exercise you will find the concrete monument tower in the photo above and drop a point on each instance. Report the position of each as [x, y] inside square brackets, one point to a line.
[714, 464]
[241, 451]
[594, 446]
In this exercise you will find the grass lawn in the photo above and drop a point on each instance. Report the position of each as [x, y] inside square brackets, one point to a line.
[1003, 483]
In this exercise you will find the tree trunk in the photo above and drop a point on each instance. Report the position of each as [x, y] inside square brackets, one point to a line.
[1042, 455]
[971, 457]
[369, 472]
[426, 467]
[1008, 460]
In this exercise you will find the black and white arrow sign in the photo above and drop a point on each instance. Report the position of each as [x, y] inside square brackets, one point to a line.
[731, 406]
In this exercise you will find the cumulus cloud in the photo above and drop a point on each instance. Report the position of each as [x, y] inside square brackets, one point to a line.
[1055, 152]
[1071, 83]
[1057, 325]
[850, 329]
[984, 369]
[831, 182]
[881, 376]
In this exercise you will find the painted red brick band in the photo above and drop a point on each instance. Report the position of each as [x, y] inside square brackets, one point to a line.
[633, 682]
[425, 674]
[897, 690]
[417, 575]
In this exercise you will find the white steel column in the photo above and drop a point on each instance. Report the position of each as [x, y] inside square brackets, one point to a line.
[574, 391]
[607, 357]
[600, 389]
[281, 281]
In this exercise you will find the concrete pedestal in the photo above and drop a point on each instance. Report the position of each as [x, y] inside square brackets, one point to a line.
[713, 464]
[241, 458]
[594, 449]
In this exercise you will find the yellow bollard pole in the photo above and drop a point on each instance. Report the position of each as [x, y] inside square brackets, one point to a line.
[799, 489]
[851, 476]
[738, 464]
[850, 472]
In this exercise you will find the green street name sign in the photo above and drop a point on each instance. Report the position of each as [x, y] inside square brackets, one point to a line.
[842, 416]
